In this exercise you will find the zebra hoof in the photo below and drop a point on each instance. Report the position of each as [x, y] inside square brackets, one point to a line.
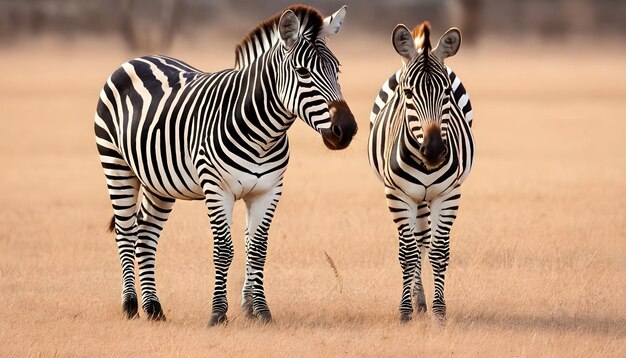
[246, 307]
[217, 319]
[130, 308]
[405, 317]
[421, 308]
[264, 317]
[439, 315]
[153, 311]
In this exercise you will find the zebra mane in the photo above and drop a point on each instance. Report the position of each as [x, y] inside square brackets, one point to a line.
[266, 35]
[421, 36]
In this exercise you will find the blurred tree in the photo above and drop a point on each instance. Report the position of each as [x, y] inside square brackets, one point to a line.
[150, 25]
[471, 20]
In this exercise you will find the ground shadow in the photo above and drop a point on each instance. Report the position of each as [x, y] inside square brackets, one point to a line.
[556, 322]
[367, 318]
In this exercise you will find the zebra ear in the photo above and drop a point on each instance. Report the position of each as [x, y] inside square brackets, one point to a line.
[289, 28]
[333, 23]
[403, 43]
[448, 44]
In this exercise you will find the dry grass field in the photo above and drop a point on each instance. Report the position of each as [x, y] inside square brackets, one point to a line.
[538, 263]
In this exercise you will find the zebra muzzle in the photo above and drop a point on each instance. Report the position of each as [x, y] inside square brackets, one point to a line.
[342, 128]
[434, 149]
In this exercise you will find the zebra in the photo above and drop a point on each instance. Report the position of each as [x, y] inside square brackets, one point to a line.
[422, 148]
[170, 131]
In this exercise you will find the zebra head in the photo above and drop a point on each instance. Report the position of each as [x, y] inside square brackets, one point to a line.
[425, 89]
[309, 80]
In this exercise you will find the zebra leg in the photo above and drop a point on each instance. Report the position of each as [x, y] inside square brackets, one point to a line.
[123, 188]
[443, 213]
[220, 207]
[422, 238]
[246, 292]
[260, 214]
[404, 212]
[152, 216]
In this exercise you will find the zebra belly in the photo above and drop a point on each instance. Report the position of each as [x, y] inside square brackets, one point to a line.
[242, 178]
[169, 184]
[190, 192]
[244, 185]
[259, 186]
[164, 174]
[420, 193]
[421, 186]
[439, 189]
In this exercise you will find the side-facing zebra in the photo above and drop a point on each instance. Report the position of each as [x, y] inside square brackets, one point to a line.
[169, 131]
[421, 147]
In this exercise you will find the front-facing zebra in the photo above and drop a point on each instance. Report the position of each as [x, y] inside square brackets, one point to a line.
[172, 132]
[421, 147]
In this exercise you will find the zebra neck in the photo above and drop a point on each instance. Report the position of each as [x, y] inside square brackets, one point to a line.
[262, 116]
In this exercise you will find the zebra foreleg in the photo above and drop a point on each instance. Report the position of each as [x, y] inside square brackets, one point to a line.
[422, 238]
[152, 217]
[443, 213]
[260, 214]
[404, 212]
[220, 207]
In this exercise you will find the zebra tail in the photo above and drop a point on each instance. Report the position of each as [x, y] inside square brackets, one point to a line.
[111, 224]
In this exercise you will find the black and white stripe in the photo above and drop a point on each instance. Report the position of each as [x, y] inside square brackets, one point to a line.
[423, 99]
[458, 90]
[169, 131]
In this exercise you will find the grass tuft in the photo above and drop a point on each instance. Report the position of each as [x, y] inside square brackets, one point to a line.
[335, 271]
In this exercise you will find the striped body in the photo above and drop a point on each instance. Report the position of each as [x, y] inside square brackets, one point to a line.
[166, 120]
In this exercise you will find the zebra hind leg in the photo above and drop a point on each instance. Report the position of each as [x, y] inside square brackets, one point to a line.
[123, 187]
[152, 217]
[422, 238]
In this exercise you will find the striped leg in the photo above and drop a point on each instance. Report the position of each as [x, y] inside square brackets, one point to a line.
[422, 237]
[443, 213]
[220, 207]
[123, 188]
[246, 292]
[404, 212]
[260, 214]
[152, 216]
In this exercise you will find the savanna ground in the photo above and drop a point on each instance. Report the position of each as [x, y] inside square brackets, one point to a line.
[538, 251]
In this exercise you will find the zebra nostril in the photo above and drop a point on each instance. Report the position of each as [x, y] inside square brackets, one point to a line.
[336, 131]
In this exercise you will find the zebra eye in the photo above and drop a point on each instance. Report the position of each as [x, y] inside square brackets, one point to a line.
[303, 72]
[408, 93]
